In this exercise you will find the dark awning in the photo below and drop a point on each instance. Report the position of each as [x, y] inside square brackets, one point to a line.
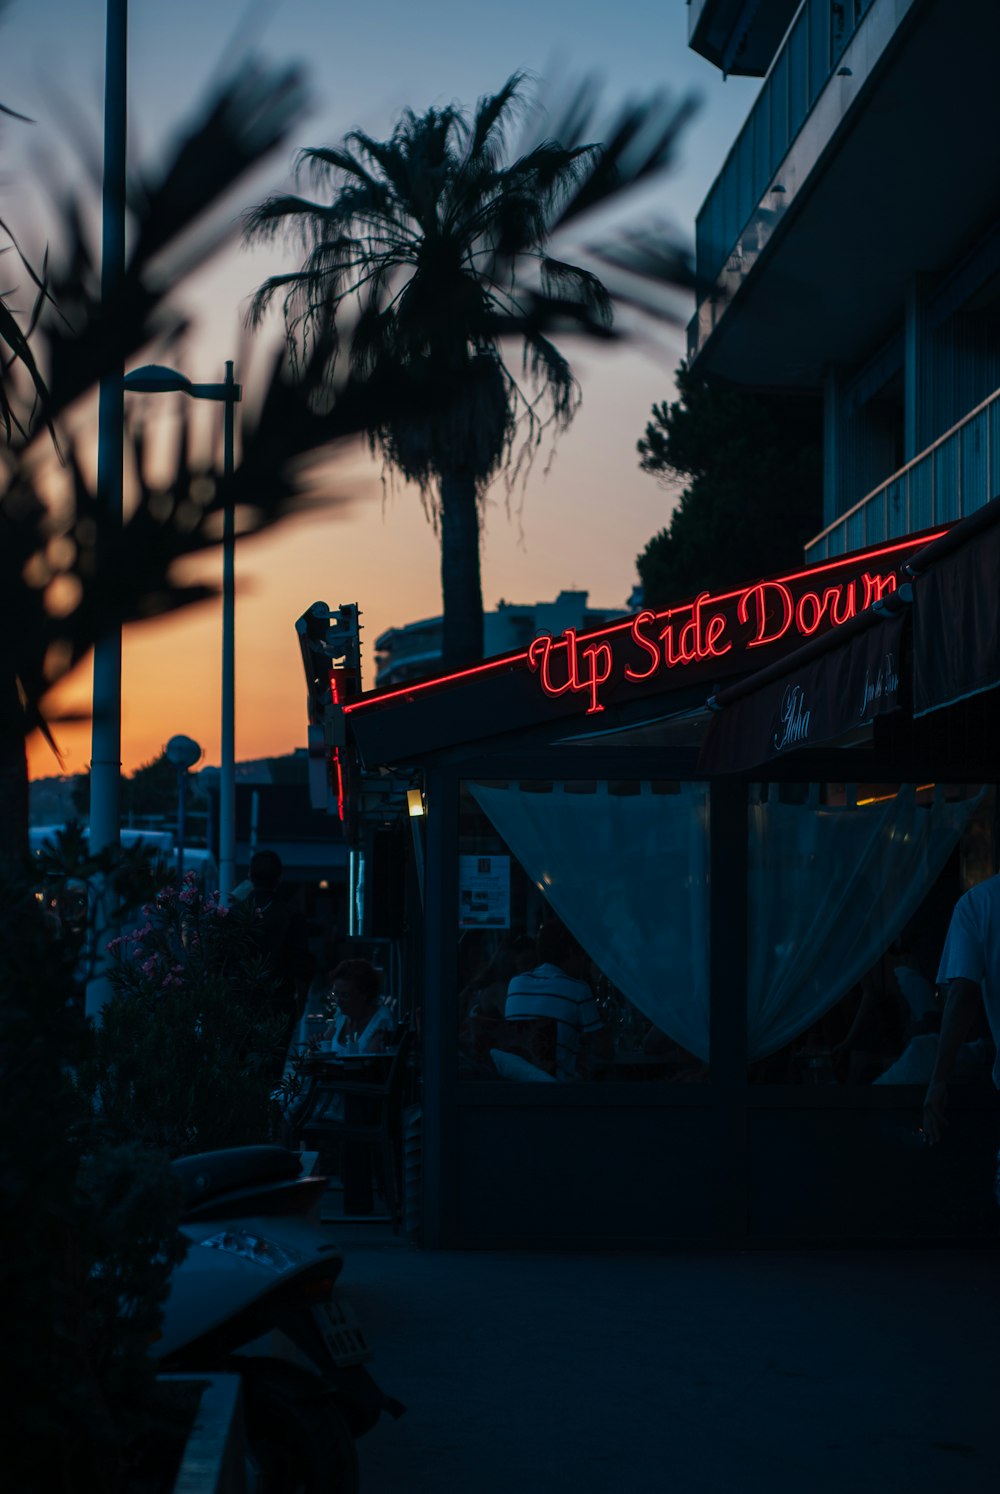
[824, 691]
[956, 613]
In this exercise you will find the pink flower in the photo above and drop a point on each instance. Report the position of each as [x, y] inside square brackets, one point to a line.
[189, 896]
[148, 967]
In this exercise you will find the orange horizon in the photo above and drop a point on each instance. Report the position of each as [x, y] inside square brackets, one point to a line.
[580, 527]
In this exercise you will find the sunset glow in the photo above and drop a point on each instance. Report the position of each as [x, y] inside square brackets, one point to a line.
[578, 525]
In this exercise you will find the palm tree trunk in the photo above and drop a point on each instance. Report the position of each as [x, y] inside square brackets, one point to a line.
[461, 587]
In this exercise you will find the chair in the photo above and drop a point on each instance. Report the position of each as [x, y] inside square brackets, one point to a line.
[368, 1116]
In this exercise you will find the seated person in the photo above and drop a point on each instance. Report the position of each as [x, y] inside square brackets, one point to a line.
[554, 988]
[362, 1024]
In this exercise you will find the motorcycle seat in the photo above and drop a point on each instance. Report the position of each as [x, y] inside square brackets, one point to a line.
[209, 1174]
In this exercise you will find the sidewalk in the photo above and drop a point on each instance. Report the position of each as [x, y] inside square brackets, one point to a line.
[783, 1373]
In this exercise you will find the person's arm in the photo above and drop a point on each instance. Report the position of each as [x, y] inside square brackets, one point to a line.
[959, 1012]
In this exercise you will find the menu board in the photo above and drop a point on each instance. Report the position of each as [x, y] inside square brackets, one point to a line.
[484, 892]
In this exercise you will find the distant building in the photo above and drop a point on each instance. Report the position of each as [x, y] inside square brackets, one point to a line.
[412, 651]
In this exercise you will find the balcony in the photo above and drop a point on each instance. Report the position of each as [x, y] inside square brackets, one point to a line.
[739, 36]
[811, 53]
[955, 476]
[868, 157]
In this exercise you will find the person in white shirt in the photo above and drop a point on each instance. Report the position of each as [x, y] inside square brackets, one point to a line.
[970, 969]
[554, 989]
[363, 1023]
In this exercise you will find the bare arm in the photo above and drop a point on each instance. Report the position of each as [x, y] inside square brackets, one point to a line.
[959, 1012]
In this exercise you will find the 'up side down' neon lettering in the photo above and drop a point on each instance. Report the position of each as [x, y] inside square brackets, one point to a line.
[699, 638]
[766, 612]
[772, 611]
[590, 676]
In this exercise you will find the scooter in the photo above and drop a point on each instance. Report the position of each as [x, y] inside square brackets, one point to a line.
[255, 1295]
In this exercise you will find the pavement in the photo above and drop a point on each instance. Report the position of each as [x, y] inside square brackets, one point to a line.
[793, 1372]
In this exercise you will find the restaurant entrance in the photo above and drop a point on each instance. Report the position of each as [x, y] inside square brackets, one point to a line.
[751, 948]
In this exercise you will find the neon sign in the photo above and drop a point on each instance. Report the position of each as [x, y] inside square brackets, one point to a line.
[712, 635]
[786, 611]
[336, 761]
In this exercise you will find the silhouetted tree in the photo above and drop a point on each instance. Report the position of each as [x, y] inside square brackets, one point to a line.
[438, 241]
[96, 1225]
[753, 495]
[69, 572]
[151, 789]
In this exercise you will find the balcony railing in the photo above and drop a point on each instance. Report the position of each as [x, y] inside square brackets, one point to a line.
[808, 58]
[955, 476]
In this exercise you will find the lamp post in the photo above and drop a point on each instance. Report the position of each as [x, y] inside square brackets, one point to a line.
[106, 730]
[106, 749]
[183, 752]
[153, 378]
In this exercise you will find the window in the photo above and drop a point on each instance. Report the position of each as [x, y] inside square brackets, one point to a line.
[617, 871]
[851, 888]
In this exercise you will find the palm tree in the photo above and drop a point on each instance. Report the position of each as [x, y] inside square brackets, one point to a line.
[435, 243]
[69, 573]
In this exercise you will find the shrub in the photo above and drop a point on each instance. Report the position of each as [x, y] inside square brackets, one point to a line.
[89, 1233]
[190, 1045]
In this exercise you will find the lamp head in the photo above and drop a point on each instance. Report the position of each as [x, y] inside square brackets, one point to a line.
[415, 803]
[154, 378]
[183, 752]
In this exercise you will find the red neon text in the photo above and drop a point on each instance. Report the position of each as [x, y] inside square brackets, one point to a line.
[839, 603]
[771, 610]
[768, 611]
[595, 672]
[699, 638]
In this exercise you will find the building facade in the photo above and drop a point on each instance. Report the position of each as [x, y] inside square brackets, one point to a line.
[849, 249]
[754, 811]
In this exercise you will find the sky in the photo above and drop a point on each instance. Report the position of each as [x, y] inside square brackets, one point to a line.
[578, 522]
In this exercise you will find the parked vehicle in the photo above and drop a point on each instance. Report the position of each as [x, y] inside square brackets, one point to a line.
[257, 1295]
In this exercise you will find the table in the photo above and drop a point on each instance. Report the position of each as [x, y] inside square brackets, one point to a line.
[361, 1068]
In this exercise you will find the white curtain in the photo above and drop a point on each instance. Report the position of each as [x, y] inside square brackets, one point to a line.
[628, 875]
[830, 889]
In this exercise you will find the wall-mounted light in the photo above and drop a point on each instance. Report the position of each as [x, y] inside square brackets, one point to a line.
[415, 802]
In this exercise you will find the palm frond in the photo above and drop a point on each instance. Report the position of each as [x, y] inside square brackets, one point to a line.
[641, 143]
[572, 282]
[269, 219]
[318, 161]
[492, 111]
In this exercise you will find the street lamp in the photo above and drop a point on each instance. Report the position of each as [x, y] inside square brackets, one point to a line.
[153, 378]
[183, 752]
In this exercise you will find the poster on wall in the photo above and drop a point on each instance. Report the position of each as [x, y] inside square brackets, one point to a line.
[484, 892]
